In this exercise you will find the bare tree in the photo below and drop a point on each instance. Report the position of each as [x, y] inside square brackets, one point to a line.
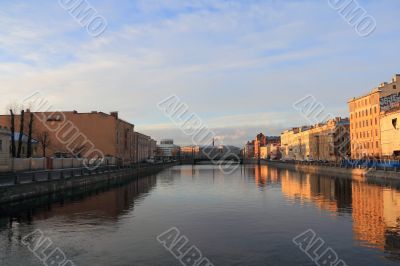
[13, 152]
[44, 141]
[29, 152]
[21, 133]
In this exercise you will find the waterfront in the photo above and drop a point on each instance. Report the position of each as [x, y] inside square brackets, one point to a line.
[246, 218]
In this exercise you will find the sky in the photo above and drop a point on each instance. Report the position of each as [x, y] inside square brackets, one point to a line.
[239, 65]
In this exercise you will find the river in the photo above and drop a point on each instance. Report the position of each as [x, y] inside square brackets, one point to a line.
[249, 216]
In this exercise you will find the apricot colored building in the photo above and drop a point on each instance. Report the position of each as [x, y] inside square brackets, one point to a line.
[365, 111]
[89, 135]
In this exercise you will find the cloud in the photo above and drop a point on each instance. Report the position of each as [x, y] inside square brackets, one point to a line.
[238, 64]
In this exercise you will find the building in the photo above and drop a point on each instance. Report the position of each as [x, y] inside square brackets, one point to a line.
[5, 143]
[287, 143]
[24, 144]
[325, 141]
[248, 150]
[390, 133]
[220, 152]
[89, 135]
[145, 147]
[191, 151]
[168, 150]
[365, 129]
[260, 141]
[152, 148]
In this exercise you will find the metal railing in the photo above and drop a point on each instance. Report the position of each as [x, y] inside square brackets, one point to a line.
[375, 164]
[17, 178]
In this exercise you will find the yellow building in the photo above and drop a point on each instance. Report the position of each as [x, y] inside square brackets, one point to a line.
[365, 131]
[390, 133]
[326, 141]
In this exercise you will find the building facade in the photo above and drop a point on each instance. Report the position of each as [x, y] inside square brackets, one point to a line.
[390, 134]
[191, 151]
[145, 147]
[86, 135]
[260, 141]
[365, 128]
[248, 150]
[168, 150]
[328, 141]
[4, 150]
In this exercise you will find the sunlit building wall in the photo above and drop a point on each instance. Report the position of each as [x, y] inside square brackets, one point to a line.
[365, 120]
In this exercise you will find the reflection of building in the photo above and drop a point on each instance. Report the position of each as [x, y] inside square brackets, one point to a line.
[364, 118]
[107, 205]
[368, 222]
[376, 216]
[168, 150]
[328, 194]
[390, 133]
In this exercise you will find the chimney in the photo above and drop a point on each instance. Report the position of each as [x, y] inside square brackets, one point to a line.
[396, 78]
[114, 114]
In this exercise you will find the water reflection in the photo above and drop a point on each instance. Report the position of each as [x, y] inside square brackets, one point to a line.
[245, 218]
[375, 208]
[99, 202]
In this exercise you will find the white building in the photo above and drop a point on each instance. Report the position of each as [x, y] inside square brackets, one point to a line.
[167, 149]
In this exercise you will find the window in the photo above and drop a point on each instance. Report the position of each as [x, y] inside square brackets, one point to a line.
[377, 144]
[394, 87]
[1, 145]
[375, 110]
[394, 123]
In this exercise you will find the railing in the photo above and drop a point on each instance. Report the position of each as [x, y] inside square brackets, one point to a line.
[17, 178]
[385, 165]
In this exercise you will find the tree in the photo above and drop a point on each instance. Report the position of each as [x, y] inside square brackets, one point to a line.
[21, 133]
[44, 141]
[13, 153]
[29, 152]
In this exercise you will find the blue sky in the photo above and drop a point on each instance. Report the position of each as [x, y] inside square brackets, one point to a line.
[239, 65]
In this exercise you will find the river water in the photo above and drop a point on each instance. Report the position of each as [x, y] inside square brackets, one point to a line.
[247, 217]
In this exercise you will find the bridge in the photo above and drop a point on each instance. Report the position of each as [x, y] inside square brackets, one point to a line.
[216, 160]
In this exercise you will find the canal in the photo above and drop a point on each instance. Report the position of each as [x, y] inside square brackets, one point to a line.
[247, 217]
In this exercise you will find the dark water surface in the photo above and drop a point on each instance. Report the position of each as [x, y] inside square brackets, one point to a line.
[248, 217]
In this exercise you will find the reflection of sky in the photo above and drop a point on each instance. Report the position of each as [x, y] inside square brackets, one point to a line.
[232, 62]
[246, 218]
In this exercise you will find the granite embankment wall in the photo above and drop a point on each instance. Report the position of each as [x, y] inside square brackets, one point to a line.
[36, 189]
[331, 170]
